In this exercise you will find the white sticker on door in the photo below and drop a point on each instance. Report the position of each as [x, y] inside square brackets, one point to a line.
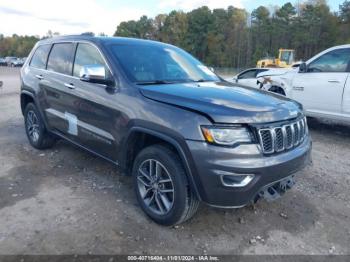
[72, 123]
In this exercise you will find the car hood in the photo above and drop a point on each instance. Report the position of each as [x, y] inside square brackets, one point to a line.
[277, 71]
[223, 102]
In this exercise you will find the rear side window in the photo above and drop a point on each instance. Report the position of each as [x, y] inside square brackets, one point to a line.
[87, 55]
[60, 58]
[40, 57]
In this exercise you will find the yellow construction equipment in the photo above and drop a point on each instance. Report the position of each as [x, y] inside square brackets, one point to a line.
[285, 59]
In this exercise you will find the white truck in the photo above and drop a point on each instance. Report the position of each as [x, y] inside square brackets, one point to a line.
[321, 84]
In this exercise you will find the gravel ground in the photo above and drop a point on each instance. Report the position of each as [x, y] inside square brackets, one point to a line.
[66, 201]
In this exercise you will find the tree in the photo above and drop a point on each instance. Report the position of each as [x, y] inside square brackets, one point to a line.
[344, 10]
[232, 37]
[199, 21]
[174, 30]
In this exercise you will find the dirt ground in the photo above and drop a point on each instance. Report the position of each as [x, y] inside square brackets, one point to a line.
[66, 201]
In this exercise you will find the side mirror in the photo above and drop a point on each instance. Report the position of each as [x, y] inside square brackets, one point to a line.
[235, 79]
[94, 74]
[302, 68]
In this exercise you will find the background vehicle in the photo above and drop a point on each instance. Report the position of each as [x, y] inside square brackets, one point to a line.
[14, 61]
[285, 59]
[247, 77]
[321, 84]
[167, 120]
[3, 62]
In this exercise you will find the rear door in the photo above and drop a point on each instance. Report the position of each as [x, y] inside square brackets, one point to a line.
[320, 89]
[35, 72]
[56, 83]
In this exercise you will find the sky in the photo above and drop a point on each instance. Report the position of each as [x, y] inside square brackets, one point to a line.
[36, 17]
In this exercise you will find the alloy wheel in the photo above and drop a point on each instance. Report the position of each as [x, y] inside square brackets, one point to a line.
[155, 186]
[33, 126]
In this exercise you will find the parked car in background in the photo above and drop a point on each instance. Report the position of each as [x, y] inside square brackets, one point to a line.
[247, 77]
[14, 61]
[23, 59]
[321, 84]
[3, 62]
[164, 118]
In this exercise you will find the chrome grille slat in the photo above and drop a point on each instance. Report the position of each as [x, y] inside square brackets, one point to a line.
[279, 138]
[289, 136]
[293, 135]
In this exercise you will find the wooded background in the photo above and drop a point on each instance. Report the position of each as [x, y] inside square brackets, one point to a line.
[232, 37]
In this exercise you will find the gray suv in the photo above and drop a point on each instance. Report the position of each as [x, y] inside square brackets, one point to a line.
[184, 135]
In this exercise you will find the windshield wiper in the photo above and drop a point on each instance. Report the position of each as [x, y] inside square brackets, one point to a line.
[155, 82]
[201, 80]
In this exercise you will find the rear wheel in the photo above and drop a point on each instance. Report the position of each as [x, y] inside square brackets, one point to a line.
[161, 186]
[36, 131]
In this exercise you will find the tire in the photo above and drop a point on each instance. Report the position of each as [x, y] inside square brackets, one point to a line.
[36, 131]
[183, 202]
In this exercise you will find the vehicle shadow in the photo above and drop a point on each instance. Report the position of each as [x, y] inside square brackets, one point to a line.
[329, 127]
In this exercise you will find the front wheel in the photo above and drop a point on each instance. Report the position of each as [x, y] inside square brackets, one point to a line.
[162, 187]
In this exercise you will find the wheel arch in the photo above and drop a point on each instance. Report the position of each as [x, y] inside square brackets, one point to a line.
[139, 137]
[278, 89]
[26, 98]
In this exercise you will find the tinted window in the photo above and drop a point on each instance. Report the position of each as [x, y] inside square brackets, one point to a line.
[247, 74]
[260, 71]
[149, 63]
[333, 61]
[60, 59]
[87, 55]
[40, 57]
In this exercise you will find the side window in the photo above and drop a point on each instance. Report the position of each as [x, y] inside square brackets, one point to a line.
[333, 61]
[247, 74]
[40, 57]
[260, 71]
[60, 58]
[87, 55]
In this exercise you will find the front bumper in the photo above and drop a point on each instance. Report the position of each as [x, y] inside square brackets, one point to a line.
[211, 162]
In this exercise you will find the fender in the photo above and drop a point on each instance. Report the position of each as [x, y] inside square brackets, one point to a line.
[178, 142]
[28, 93]
[266, 82]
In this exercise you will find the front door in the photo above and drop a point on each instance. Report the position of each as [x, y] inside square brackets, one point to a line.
[320, 88]
[95, 106]
[248, 78]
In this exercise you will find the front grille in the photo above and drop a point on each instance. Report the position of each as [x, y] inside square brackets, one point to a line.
[280, 138]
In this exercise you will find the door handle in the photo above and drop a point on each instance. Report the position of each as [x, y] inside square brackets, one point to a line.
[70, 86]
[40, 77]
[333, 81]
[298, 88]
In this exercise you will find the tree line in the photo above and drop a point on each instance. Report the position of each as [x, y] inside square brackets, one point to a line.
[231, 37]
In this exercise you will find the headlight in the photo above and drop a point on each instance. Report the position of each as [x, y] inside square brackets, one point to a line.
[226, 135]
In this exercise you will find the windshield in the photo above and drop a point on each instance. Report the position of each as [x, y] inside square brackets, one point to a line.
[160, 64]
[287, 56]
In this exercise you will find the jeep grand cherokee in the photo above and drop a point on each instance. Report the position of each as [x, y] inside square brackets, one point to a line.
[161, 116]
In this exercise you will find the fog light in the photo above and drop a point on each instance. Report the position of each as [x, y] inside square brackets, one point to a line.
[236, 180]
